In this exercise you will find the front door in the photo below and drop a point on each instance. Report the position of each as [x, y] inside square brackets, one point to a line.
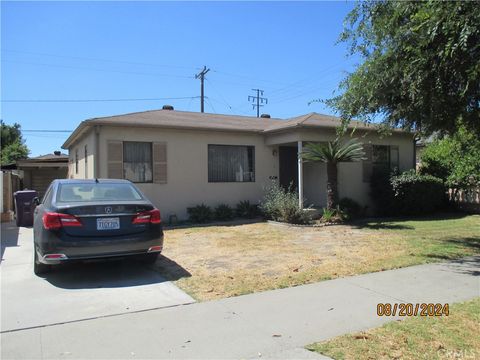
[288, 167]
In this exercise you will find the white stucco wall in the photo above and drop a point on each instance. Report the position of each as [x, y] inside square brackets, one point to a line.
[89, 141]
[350, 175]
[187, 167]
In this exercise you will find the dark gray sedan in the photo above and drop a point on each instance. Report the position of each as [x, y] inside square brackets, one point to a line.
[88, 219]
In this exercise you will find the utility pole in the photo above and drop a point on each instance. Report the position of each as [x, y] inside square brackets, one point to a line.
[201, 76]
[258, 100]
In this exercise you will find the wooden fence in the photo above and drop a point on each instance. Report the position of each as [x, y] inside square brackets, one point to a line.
[466, 199]
[10, 184]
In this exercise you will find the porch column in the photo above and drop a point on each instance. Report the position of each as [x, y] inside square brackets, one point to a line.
[300, 175]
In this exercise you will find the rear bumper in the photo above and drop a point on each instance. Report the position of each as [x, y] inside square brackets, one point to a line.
[95, 248]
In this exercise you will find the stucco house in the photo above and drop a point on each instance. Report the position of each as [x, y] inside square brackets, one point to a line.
[180, 159]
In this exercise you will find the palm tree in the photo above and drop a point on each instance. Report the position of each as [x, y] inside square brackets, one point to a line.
[332, 153]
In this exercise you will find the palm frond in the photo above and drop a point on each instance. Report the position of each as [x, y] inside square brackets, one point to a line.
[334, 151]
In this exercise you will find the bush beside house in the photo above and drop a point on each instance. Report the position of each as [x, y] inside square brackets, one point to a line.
[281, 204]
[408, 193]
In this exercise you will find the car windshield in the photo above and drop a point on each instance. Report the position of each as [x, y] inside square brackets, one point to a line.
[97, 192]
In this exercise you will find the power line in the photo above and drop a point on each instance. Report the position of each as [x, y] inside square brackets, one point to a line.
[258, 99]
[100, 70]
[248, 77]
[96, 59]
[93, 100]
[47, 131]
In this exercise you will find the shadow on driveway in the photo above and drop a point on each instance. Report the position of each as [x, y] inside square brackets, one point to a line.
[9, 232]
[114, 273]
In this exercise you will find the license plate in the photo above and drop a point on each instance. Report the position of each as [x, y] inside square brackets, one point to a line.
[108, 223]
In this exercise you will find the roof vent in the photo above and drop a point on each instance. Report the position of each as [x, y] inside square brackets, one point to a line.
[265, 116]
[57, 153]
[167, 107]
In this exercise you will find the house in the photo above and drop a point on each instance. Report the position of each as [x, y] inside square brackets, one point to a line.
[180, 159]
[38, 172]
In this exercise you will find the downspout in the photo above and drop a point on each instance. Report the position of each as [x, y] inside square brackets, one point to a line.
[96, 169]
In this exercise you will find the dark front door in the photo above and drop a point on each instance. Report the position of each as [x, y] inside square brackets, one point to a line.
[288, 167]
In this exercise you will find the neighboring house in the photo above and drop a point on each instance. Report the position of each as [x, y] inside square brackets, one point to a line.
[38, 172]
[181, 159]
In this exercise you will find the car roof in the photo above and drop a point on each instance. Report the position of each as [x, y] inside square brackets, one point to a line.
[91, 181]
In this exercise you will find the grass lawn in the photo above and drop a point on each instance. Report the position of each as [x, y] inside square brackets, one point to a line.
[221, 261]
[451, 337]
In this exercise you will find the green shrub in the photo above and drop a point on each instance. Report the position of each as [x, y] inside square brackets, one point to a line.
[223, 212]
[350, 209]
[200, 213]
[455, 159]
[282, 205]
[246, 210]
[328, 214]
[415, 194]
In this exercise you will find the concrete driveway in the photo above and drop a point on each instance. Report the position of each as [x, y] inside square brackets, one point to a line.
[77, 291]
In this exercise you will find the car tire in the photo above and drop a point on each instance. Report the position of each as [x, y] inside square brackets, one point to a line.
[38, 267]
[150, 258]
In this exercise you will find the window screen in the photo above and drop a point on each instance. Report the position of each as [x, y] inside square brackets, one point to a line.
[137, 161]
[231, 163]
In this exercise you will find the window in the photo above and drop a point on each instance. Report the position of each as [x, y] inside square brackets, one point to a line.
[231, 163]
[137, 161]
[86, 162]
[76, 161]
[97, 192]
[385, 157]
[379, 158]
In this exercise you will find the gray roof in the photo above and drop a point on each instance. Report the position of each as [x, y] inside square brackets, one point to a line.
[48, 157]
[210, 122]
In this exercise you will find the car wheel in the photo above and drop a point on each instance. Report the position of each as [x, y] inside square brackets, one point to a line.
[38, 267]
[150, 258]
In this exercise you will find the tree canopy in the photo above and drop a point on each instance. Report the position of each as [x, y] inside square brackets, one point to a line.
[455, 159]
[420, 65]
[13, 147]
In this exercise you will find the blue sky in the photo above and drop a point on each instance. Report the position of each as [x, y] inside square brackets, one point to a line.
[143, 50]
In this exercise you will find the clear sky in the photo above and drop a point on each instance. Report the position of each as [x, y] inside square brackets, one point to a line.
[144, 50]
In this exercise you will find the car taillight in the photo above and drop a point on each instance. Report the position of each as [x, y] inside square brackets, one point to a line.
[152, 217]
[54, 221]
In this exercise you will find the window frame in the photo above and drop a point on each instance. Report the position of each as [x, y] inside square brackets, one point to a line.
[151, 161]
[253, 164]
[390, 165]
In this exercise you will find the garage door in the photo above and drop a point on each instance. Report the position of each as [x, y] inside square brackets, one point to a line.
[41, 179]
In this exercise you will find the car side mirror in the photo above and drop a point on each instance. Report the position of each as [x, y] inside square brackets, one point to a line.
[36, 201]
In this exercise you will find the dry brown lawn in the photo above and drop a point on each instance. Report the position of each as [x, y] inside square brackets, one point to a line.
[222, 261]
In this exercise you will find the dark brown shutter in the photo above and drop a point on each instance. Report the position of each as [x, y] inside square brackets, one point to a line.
[160, 163]
[115, 159]
[367, 164]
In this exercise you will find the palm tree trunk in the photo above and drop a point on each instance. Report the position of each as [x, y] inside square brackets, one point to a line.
[332, 185]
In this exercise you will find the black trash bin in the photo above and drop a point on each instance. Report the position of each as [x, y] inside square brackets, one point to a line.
[24, 207]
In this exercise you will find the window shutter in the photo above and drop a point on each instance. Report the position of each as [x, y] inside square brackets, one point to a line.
[394, 157]
[115, 159]
[367, 164]
[160, 163]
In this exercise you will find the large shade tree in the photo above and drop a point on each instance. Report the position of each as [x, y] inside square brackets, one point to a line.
[419, 65]
[332, 153]
[13, 146]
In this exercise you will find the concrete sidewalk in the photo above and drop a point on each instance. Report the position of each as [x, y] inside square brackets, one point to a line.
[273, 324]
